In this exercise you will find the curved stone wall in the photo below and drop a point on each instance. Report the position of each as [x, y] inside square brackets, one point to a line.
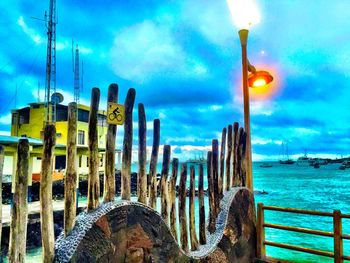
[132, 232]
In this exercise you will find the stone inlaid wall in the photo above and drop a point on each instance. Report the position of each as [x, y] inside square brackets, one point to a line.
[131, 232]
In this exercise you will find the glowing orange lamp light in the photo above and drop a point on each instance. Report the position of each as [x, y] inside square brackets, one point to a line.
[259, 79]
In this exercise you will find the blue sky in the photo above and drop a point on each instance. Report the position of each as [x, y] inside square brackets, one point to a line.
[183, 59]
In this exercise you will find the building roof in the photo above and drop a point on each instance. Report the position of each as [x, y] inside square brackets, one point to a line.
[10, 140]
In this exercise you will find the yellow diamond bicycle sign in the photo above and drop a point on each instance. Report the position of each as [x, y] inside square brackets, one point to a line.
[115, 113]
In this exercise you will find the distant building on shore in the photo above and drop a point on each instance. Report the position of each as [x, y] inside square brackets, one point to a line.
[29, 122]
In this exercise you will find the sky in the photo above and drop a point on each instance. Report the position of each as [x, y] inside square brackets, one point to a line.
[183, 57]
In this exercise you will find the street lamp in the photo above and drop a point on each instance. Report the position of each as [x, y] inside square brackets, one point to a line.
[245, 14]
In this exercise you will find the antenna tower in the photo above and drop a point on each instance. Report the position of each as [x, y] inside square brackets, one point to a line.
[50, 82]
[76, 75]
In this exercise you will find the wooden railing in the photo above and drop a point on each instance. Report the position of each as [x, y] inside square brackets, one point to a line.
[337, 234]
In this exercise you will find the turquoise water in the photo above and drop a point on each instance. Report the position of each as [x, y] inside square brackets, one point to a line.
[323, 189]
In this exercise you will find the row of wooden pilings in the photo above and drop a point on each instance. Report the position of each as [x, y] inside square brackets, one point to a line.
[225, 169]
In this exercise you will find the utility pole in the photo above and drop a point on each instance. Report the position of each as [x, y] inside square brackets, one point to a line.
[76, 74]
[50, 112]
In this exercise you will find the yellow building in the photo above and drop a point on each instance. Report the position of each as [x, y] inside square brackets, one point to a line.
[29, 122]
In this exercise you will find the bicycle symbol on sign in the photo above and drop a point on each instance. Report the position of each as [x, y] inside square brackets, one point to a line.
[115, 113]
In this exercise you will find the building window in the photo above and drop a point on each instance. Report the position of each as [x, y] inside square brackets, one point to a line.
[24, 116]
[14, 118]
[80, 160]
[87, 161]
[61, 113]
[101, 120]
[81, 137]
[101, 161]
[83, 115]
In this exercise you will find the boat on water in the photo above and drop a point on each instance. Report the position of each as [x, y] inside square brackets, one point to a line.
[200, 160]
[197, 160]
[304, 160]
[265, 165]
[345, 165]
[288, 161]
[285, 159]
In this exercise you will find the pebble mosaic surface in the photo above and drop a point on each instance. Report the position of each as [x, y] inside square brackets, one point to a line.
[135, 232]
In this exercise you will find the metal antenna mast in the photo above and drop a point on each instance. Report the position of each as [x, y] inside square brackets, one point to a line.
[50, 112]
[76, 76]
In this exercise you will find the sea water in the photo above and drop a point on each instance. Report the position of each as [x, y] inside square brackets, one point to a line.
[323, 189]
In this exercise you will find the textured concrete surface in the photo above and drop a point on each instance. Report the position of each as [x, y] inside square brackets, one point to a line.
[131, 232]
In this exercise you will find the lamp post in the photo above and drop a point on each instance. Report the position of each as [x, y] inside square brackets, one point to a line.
[245, 14]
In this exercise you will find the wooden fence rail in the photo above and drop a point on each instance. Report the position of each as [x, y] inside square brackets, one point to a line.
[337, 235]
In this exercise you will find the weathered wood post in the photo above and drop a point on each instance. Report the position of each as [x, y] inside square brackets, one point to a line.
[152, 180]
[228, 158]
[202, 235]
[242, 157]
[109, 186]
[19, 209]
[182, 208]
[46, 207]
[237, 175]
[142, 154]
[1, 173]
[164, 183]
[215, 174]
[261, 251]
[172, 197]
[127, 144]
[193, 235]
[93, 180]
[222, 163]
[212, 217]
[70, 179]
[338, 240]
[234, 154]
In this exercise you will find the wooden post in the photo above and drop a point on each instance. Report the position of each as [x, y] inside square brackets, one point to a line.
[127, 144]
[109, 185]
[202, 235]
[338, 241]
[238, 177]
[152, 180]
[46, 207]
[222, 163]
[193, 235]
[173, 225]
[242, 157]
[164, 183]
[182, 208]
[94, 162]
[142, 154]
[215, 174]
[19, 208]
[228, 158]
[261, 251]
[70, 180]
[2, 152]
[234, 154]
[212, 218]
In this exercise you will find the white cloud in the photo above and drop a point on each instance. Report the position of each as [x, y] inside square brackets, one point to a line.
[6, 119]
[213, 22]
[7, 133]
[143, 50]
[29, 31]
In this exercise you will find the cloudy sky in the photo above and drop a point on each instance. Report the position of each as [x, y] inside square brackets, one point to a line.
[183, 59]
